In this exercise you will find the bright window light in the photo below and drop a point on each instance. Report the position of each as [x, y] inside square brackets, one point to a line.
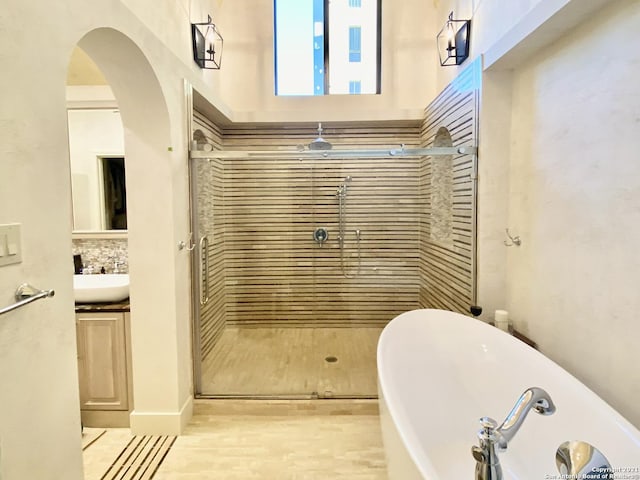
[327, 47]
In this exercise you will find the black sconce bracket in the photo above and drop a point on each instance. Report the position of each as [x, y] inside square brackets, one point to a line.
[207, 44]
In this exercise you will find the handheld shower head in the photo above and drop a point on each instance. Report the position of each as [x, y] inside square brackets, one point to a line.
[320, 143]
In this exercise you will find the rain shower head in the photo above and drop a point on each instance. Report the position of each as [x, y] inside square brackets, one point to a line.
[319, 143]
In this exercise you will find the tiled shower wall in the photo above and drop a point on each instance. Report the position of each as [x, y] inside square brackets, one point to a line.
[448, 196]
[274, 273]
[265, 268]
[277, 275]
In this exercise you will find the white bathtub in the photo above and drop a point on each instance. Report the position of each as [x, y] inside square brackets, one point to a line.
[439, 372]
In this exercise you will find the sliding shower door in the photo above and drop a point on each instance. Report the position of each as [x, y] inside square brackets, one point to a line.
[207, 254]
[298, 265]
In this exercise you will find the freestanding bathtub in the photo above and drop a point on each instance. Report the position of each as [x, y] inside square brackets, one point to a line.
[439, 372]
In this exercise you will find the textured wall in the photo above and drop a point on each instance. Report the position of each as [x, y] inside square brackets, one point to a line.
[575, 178]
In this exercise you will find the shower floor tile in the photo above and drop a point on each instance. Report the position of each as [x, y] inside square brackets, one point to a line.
[326, 362]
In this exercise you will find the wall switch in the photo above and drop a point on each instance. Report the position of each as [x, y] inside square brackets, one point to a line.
[10, 244]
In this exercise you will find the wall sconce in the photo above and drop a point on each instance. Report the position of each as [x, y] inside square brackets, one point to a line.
[453, 41]
[207, 45]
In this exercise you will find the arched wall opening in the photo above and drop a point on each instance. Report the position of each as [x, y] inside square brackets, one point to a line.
[162, 398]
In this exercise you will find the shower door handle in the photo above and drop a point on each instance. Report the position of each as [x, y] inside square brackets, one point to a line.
[204, 270]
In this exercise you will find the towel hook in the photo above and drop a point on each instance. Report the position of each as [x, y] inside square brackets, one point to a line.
[512, 240]
[182, 245]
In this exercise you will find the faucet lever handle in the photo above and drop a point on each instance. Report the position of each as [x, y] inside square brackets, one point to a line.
[489, 434]
[488, 424]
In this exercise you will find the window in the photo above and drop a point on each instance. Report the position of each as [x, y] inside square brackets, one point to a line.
[322, 46]
[354, 44]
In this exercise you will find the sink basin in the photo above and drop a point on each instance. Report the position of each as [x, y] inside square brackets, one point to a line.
[110, 287]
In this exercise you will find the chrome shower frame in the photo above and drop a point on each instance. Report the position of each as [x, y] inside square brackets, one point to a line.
[320, 154]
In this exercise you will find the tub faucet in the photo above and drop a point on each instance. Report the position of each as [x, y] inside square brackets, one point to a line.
[494, 439]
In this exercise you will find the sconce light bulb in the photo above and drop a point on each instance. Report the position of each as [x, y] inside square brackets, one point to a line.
[450, 37]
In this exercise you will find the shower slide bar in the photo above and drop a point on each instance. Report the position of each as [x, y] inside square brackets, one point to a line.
[26, 294]
[399, 152]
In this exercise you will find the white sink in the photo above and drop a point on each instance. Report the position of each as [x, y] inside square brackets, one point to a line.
[109, 287]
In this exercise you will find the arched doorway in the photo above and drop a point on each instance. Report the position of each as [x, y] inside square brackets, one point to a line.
[152, 184]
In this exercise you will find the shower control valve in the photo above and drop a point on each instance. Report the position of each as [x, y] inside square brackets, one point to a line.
[320, 235]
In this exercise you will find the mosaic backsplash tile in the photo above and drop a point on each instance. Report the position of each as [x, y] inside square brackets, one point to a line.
[98, 253]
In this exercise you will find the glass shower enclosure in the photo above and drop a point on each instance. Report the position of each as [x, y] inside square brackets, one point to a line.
[300, 260]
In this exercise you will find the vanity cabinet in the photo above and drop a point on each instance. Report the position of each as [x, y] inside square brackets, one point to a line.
[104, 367]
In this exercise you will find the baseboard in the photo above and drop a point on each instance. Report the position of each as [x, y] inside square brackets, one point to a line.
[162, 423]
[105, 418]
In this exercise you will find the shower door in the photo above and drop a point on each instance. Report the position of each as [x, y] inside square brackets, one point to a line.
[207, 254]
[298, 265]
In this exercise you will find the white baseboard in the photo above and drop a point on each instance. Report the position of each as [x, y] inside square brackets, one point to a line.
[162, 423]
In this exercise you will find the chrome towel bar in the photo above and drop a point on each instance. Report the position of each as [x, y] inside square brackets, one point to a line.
[26, 294]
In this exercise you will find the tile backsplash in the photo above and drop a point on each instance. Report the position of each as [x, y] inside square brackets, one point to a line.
[98, 253]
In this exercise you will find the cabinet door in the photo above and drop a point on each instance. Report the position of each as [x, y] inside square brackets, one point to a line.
[101, 361]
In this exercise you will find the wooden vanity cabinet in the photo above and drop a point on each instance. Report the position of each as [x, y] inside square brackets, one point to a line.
[104, 368]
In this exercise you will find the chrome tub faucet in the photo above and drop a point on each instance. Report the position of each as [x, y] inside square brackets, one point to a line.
[494, 439]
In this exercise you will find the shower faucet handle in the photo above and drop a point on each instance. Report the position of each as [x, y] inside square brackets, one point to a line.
[320, 235]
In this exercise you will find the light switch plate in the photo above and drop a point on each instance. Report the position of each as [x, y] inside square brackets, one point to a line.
[11, 244]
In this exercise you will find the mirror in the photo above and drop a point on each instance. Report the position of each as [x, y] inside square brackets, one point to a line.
[96, 156]
[96, 151]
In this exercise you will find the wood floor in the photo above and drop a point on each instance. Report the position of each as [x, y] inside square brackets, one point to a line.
[293, 362]
[294, 440]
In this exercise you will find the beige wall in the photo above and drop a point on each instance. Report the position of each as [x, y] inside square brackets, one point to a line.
[558, 117]
[573, 199]
[493, 186]
[145, 68]
[549, 124]
[243, 90]
[571, 184]
[488, 24]
[408, 71]
[511, 31]
[38, 367]
[553, 153]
